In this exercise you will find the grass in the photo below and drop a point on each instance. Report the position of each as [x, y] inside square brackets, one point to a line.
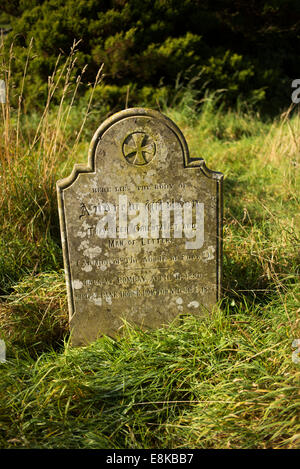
[226, 382]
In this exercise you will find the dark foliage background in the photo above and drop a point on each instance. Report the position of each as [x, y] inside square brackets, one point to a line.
[247, 48]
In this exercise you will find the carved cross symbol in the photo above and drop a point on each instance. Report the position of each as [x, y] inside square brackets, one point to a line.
[138, 148]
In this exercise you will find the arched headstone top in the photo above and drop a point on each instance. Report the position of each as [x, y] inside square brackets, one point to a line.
[142, 138]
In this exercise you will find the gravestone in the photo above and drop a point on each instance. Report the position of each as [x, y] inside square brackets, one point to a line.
[141, 228]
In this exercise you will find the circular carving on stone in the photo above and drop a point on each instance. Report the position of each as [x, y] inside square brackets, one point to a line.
[138, 148]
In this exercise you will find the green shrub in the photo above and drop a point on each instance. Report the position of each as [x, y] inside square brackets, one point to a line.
[249, 51]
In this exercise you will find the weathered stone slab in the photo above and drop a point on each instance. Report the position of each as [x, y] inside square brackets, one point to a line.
[141, 228]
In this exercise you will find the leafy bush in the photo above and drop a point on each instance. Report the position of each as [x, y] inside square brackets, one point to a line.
[248, 49]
